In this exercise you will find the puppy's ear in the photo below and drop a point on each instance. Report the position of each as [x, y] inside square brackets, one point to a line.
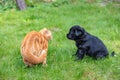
[77, 33]
[83, 30]
[80, 32]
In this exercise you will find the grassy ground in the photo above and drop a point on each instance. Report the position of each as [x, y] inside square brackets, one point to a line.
[102, 21]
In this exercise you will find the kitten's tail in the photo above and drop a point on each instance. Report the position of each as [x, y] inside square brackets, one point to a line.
[35, 59]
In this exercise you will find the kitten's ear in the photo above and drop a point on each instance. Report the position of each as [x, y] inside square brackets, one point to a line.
[43, 30]
[46, 32]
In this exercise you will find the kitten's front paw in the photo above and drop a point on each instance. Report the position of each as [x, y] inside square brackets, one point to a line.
[44, 65]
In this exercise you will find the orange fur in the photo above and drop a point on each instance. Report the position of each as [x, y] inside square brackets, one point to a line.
[35, 46]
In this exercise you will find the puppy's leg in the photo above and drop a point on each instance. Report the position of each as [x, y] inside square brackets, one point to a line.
[80, 54]
[100, 55]
[80, 47]
[75, 54]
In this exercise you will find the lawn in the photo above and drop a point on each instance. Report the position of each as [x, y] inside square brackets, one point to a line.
[100, 20]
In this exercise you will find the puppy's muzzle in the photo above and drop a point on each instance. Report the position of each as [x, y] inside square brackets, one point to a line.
[69, 36]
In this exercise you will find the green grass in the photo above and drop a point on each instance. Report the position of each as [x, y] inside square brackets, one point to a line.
[102, 21]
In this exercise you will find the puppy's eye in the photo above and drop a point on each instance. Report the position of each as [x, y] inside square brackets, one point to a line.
[79, 30]
[73, 31]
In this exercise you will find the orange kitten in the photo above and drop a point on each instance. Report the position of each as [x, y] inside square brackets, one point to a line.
[35, 46]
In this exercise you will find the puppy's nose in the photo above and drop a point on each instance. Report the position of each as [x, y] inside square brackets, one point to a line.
[68, 36]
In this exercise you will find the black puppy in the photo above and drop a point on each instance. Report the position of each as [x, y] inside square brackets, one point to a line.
[87, 43]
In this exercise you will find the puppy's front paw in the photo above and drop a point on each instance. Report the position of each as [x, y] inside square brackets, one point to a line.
[77, 59]
[100, 56]
[74, 54]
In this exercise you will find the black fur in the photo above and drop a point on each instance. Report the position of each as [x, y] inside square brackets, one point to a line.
[87, 43]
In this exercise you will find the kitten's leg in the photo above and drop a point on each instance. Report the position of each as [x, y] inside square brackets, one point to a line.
[27, 63]
[44, 62]
[44, 54]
